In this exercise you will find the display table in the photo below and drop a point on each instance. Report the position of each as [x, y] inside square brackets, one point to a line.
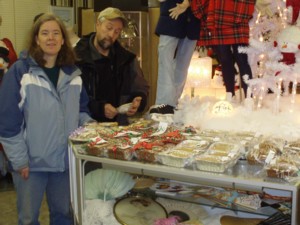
[236, 179]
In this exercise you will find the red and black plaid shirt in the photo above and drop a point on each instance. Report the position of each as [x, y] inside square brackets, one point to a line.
[223, 21]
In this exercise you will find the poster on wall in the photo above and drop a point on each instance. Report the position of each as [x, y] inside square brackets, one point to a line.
[66, 14]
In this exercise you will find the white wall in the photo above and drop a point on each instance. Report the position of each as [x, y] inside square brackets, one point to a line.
[17, 17]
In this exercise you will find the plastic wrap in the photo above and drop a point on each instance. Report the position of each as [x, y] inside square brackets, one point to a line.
[219, 157]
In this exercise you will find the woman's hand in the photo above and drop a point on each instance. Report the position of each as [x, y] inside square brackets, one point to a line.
[24, 172]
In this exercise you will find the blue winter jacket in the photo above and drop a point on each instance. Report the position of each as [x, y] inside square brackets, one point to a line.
[36, 118]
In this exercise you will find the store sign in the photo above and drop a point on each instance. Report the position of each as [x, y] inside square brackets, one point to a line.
[222, 108]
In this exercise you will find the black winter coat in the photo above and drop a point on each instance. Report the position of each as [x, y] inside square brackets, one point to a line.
[117, 79]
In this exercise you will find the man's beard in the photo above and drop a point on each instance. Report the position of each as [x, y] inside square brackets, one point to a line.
[105, 43]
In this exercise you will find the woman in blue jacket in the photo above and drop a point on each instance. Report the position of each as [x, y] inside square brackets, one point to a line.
[42, 101]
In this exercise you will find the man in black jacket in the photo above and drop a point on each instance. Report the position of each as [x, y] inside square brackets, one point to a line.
[111, 74]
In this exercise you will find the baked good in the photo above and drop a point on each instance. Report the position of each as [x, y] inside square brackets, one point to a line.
[83, 134]
[141, 124]
[175, 158]
[281, 170]
[266, 150]
[116, 152]
[193, 146]
[294, 145]
[174, 137]
[215, 163]
[96, 125]
[149, 155]
[107, 132]
[219, 157]
[97, 150]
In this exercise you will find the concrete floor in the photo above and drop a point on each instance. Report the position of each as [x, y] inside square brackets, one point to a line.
[8, 211]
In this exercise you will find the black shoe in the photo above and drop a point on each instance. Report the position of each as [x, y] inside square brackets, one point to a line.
[162, 109]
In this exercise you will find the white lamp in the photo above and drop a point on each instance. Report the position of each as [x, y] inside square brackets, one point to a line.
[199, 73]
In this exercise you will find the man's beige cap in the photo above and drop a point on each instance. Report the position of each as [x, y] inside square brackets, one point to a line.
[111, 13]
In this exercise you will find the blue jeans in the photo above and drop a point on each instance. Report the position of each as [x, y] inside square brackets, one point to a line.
[174, 57]
[30, 194]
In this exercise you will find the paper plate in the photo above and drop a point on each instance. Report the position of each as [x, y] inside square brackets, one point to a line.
[97, 125]
[138, 210]
[83, 134]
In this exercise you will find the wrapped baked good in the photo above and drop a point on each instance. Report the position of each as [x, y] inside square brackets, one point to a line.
[282, 167]
[83, 134]
[107, 132]
[292, 154]
[141, 124]
[100, 147]
[175, 158]
[224, 147]
[97, 150]
[97, 125]
[215, 163]
[249, 201]
[147, 151]
[115, 148]
[181, 154]
[117, 152]
[194, 146]
[265, 151]
[295, 145]
[173, 136]
[272, 143]
[149, 155]
[219, 157]
[213, 134]
[247, 140]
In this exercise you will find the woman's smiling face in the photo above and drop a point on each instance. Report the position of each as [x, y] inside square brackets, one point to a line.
[50, 38]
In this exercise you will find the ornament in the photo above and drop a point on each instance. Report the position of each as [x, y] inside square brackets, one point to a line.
[217, 80]
[288, 43]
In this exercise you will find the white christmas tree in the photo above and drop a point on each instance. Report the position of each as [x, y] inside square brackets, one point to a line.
[270, 23]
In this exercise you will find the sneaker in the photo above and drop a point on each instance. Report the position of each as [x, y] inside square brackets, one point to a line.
[162, 109]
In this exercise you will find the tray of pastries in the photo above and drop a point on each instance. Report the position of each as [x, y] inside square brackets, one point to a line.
[182, 154]
[219, 157]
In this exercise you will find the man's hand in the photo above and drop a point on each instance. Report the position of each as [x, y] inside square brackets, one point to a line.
[134, 106]
[180, 8]
[24, 172]
[109, 111]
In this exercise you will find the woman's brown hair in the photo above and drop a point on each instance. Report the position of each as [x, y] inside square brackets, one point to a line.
[66, 55]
